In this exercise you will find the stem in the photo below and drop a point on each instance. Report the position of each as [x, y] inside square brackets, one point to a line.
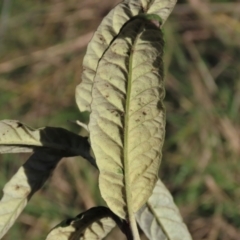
[134, 228]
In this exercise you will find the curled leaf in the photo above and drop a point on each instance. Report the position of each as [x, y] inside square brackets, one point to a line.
[160, 219]
[99, 229]
[17, 192]
[109, 28]
[127, 121]
[93, 224]
[18, 137]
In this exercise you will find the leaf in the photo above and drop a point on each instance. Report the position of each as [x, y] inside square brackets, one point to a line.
[127, 121]
[18, 191]
[93, 224]
[105, 34]
[99, 229]
[18, 137]
[160, 219]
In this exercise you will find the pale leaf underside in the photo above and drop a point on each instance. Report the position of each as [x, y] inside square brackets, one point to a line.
[93, 224]
[106, 32]
[29, 178]
[99, 229]
[128, 119]
[18, 137]
[160, 219]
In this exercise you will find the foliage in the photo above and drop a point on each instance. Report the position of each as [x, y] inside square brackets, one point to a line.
[127, 122]
[205, 187]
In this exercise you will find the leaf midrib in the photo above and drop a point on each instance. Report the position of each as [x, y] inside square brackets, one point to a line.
[151, 209]
[126, 130]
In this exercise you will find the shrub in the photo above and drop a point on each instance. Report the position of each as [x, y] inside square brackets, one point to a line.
[123, 89]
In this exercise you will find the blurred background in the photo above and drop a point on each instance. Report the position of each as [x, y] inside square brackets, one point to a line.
[42, 44]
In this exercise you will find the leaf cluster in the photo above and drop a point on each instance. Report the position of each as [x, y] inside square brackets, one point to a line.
[122, 88]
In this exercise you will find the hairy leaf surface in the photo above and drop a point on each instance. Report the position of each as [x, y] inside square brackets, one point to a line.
[128, 119]
[105, 34]
[18, 137]
[17, 192]
[160, 219]
[93, 224]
